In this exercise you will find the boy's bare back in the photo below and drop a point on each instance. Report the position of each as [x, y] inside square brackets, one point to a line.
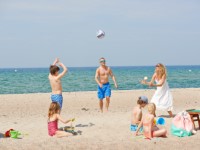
[56, 85]
[136, 116]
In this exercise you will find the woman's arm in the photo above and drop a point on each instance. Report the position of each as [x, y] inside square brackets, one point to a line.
[151, 82]
[162, 81]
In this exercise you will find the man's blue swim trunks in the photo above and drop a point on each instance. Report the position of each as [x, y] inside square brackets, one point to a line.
[105, 91]
[57, 98]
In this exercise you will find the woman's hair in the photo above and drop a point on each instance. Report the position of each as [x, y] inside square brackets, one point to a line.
[53, 109]
[102, 58]
[162, 68]
[151, 108]
[53, 69]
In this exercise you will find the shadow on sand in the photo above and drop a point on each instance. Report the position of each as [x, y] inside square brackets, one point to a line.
[85, 125]
[2, 135]
[167, 116]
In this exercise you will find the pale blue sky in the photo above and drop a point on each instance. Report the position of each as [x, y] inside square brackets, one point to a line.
[138, 32]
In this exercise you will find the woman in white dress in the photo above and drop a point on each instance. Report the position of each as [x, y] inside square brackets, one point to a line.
[162, 98]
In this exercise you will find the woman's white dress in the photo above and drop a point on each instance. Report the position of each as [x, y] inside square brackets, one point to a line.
[162, 98]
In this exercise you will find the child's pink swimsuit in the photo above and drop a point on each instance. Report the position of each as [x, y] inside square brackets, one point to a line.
[146, 134]
[52, 127]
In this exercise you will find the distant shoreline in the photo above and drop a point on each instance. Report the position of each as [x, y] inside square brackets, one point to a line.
[97, 66]
[113, 91]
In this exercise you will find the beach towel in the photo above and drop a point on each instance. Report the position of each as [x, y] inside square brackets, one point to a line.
[182, 125]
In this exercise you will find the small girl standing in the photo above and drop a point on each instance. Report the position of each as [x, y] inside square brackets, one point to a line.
[150, 130]
[137, 112]
[53, 117]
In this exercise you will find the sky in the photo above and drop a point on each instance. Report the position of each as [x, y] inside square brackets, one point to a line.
[138, 32]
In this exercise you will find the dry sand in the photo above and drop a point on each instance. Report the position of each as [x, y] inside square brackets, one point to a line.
[28, 114]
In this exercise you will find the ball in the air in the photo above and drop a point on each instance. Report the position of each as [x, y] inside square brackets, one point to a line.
[100, 34]
[145, 78]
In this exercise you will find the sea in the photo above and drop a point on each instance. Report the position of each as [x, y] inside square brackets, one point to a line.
[35, 80]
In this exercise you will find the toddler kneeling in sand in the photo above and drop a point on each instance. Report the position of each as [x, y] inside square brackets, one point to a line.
[150, 130]
[53, 118]
[137, 112]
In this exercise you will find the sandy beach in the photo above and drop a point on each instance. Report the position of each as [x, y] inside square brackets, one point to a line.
[27, 113]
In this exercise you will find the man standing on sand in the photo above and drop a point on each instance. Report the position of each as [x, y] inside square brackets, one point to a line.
[102, 78]
[55, 81]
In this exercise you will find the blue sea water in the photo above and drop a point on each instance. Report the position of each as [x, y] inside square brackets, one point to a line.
[35, 80]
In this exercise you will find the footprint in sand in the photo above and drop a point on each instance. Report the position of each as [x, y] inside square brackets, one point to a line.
[85, 109]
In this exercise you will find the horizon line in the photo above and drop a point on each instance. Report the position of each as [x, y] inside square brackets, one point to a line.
[96, 66]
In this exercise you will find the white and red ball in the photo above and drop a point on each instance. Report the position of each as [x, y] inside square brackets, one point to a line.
[100, 34]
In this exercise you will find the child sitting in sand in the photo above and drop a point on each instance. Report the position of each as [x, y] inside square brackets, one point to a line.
[137, 112]
[53, 117]
[150, 130]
